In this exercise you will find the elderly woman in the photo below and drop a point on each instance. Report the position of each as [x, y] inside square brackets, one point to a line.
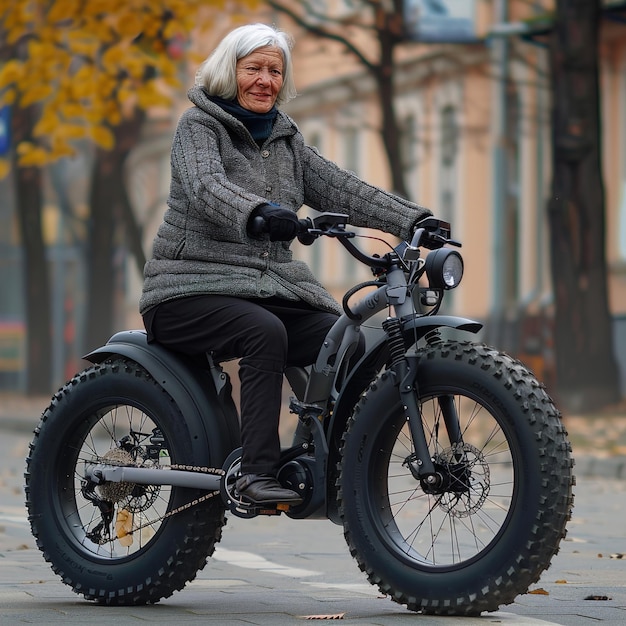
[212, 284]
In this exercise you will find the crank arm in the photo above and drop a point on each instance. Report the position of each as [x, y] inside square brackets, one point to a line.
[99, 473]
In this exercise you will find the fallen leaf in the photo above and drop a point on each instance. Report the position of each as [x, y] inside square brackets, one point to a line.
[561, 582]
[539, 592]
[123, 527]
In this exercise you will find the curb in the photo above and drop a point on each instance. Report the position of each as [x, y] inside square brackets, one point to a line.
[19, 424]
[598, 467]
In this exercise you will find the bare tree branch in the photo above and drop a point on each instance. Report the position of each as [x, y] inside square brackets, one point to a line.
[320, 31]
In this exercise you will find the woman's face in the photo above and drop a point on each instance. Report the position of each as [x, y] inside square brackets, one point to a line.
[259, 79]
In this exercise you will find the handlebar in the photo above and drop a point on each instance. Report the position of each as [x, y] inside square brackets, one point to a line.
[329, 225]
[430, 233]
[306, 226]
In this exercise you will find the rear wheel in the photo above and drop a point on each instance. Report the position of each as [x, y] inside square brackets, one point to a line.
[490, 526]
[118, 543]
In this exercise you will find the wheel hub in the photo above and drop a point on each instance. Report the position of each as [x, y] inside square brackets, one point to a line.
[461, 479]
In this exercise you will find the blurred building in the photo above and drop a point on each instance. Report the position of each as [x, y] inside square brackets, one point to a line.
[473, 104]
[472, 98]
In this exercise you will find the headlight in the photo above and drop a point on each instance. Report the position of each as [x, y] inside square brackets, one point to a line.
[444, 268]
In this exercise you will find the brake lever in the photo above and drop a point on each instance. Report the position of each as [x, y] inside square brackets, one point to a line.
[441, 241]
[339, 232]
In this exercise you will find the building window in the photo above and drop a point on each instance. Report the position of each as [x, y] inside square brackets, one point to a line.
[448, 157]
[351, 149]
[408, 152]
[621, 215]
[512, 197]
[345, 8]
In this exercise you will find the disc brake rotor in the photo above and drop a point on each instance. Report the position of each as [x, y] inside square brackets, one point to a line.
[469, 480]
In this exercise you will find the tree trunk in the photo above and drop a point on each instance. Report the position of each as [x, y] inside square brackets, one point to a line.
[29, 204]
[586, 368]
[388, 24]
[110, 208]
[383, 74]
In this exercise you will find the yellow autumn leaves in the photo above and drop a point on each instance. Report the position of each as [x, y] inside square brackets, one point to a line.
[85, 65]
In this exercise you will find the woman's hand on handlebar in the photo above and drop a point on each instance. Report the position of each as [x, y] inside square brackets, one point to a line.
[281, 224]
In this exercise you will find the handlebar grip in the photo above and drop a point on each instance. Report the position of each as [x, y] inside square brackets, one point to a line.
[304, 224]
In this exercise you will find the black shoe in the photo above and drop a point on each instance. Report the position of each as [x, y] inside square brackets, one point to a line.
[265, 489]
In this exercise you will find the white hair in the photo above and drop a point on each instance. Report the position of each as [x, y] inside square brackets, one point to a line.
[217, 74]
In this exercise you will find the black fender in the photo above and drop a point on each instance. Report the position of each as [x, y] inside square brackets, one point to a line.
[374, 359]
[210, 413]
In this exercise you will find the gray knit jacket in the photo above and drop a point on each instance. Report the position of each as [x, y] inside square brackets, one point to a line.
[219, 176]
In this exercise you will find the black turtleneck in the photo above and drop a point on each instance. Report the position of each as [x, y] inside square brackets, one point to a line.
[258, 124]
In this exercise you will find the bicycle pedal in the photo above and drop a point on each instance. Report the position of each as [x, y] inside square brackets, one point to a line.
[247, 509]
[264, 509]
[304, 410]
[275, 511]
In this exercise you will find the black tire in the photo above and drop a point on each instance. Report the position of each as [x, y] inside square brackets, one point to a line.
[86, 419]
[490, 533]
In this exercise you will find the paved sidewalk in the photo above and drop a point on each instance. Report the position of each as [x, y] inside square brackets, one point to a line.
[279, 572]
[598, 440]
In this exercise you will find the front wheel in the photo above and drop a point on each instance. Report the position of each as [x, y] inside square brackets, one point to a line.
[494, 520]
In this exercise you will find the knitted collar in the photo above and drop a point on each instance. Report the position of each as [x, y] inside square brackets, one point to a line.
[258, 124]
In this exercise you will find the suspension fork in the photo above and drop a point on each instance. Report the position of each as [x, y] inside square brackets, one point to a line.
[405, 380]
[451, 419]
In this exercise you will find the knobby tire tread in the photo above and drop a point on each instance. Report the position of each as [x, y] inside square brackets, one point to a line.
[555, 502]
[199, 536]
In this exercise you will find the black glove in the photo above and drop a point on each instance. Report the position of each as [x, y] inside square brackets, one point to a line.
[282, 224]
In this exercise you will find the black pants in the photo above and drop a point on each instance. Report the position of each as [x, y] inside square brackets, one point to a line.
[267, 334]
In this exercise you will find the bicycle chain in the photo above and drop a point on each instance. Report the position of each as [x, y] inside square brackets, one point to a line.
[182, 507]
[191, 468]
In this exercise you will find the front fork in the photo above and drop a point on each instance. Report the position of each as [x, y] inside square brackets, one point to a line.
[423, 466]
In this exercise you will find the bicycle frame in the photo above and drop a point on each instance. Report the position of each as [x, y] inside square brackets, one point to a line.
[323, 388]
